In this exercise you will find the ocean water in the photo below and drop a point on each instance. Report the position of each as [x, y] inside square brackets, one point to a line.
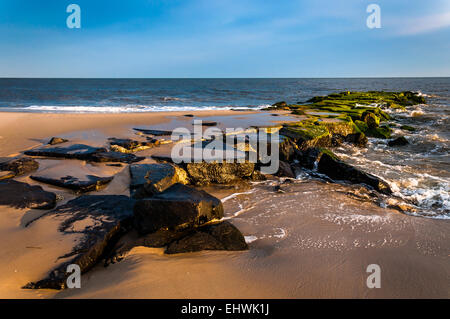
[418, 173]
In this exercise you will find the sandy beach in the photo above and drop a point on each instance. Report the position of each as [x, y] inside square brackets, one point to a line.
[313, 239]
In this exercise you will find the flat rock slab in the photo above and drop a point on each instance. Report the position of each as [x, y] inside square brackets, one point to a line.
[338, 170]
[103, 157]
[22, 195]
[6, 175]
[20, 166]
[99, 219]
[153, 132]
[76, 151]
[178, 207]
[149, 179]
[126, 145]
[88, 184]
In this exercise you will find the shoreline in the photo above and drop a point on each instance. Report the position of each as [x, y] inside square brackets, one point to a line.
[318, 249]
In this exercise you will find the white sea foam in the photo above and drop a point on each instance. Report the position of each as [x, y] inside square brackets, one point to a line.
[130, 108]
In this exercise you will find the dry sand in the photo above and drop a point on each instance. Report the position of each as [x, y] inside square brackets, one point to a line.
[313, 240]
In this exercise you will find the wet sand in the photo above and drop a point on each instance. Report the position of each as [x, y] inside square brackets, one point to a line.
[313, 240]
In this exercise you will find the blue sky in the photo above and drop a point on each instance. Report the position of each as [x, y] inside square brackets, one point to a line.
[224, 38]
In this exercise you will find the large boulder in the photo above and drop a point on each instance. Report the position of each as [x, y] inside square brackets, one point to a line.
[22, 195]
[285, 170]
[221, 236]
[178, 207]
[220, 173]
[20, 166]
[88, 184]
[99, 220]
[149, 179]
[334, 168]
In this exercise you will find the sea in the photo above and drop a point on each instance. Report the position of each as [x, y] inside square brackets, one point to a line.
[419, 173]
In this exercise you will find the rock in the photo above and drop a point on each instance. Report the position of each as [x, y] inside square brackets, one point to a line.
[149, 179]
[399, 141]
[178, 207]
[91, 183]
[160, 238]
[407, 128]
[129, 146]
[6, 175]
[334, 168]
[57, 140]
[99, 220]
[115, 157]
[281, 104]
[287, 149]
[22, 195]
[188, 115]
[358, 139]
[221, 173]
[153, 132]
[208, 123]
[310, 157]
[76, 151]
[370, 119]
[307, 135]
[222, 236]
[285, 170]
[20, 166]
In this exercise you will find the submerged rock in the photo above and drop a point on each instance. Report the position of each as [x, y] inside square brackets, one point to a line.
[20, 166]
[127, 145]
[98, 220]
[22, 195]
[149, 179]
[57, 140]
[399, 141]
[178, 207]
[334, 168]
[91, 183]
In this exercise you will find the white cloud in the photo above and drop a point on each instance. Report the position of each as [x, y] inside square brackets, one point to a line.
[424, 24]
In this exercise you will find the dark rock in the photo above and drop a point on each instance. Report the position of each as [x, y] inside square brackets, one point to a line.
[114, 165]
[126, 145]
[22, 195]
[188, 115]
[57, 140]
[76, 151]
[399, 141]
[310, 157]
[153, 132]
[334, 168]
[162, 158]
[407, 128]
[115, 157]
[99, 220]
[178, 207]
[285, 170]
[358, 139]
[149, 179]
[209, 123]
[287, 149]
[161, 238]
[370, 119]
[222, 236]
[91, 183]
[20, 166]
[281, 104]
